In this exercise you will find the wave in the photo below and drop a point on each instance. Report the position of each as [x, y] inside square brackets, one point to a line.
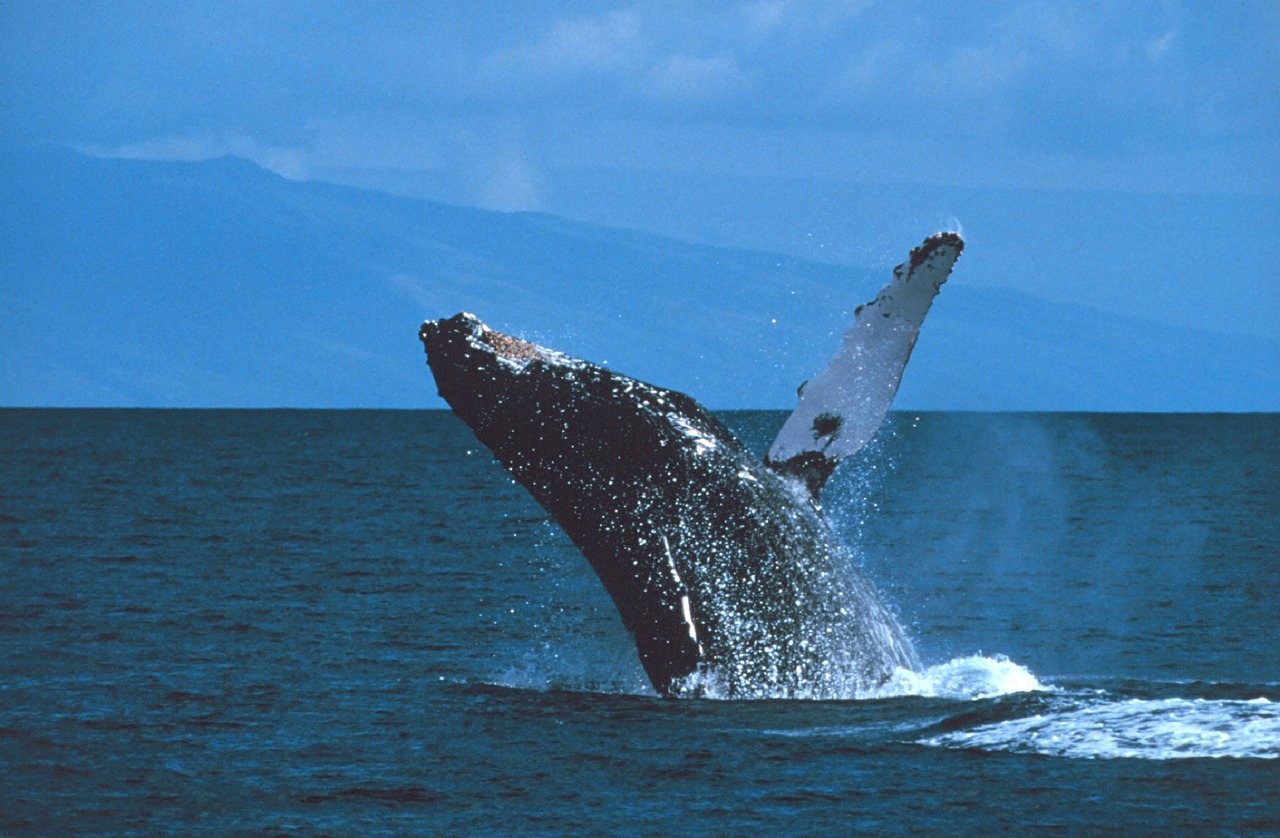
[1091, 724]
[1157, 729]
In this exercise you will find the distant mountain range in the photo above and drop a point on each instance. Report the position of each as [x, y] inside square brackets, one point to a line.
[131, 283]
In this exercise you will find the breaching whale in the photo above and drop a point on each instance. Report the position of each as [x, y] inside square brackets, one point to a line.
[721, 566]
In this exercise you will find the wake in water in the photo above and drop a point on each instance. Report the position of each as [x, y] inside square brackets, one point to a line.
[1091, 724]
[980, 703]
[1107, 728]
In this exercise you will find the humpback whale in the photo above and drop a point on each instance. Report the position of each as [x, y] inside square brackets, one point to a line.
[722, 567]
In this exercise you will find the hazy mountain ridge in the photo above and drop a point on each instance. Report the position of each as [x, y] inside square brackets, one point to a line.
[219, 284]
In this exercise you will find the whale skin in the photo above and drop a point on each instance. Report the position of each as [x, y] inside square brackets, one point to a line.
[723, 570]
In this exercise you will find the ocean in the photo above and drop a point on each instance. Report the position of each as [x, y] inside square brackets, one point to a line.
[288, 622]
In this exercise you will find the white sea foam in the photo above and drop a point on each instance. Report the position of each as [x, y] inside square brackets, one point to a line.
[1175, 728]
[973, 677]
[968, 678]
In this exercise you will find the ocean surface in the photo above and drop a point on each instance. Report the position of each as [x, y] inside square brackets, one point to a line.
[354, 623]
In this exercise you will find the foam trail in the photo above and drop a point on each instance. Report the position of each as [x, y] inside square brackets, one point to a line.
[1175, 728]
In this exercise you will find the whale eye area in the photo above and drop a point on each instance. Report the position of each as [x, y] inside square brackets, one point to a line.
[825, 424]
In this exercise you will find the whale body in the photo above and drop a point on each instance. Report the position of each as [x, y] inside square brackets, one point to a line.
[721, 566]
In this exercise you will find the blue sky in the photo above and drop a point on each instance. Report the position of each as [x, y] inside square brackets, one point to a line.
[537, 106]
[1136, 95]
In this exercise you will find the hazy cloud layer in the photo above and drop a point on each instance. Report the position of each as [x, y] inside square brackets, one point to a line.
[1143, 95]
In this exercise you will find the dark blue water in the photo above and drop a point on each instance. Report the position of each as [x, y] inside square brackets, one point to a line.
[280, 622]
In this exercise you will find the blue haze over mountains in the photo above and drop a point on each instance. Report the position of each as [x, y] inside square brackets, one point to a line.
[217, 283]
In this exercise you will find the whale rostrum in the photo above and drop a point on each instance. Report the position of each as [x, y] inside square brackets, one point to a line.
[721, 566]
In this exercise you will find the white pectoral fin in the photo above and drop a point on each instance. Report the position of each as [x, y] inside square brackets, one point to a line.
[841, 408]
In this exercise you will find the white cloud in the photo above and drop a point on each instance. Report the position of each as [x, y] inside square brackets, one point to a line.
[765, 16]
[795, 20]
[412, 142]
[440, 91]
[509, 183]
[688, 78]
[869, 70]
[497, 166]
[415, 290]
[1160, 47]
[287, 162]
[571, 46]
[156, 148]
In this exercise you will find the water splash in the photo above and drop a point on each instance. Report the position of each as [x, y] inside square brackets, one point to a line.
[571, 670]
[974, 677]
[969, 678]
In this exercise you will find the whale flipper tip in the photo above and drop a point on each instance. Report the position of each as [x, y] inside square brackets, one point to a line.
[839, 410]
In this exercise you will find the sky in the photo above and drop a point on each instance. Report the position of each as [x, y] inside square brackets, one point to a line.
[626, 112]
[1112, 95]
